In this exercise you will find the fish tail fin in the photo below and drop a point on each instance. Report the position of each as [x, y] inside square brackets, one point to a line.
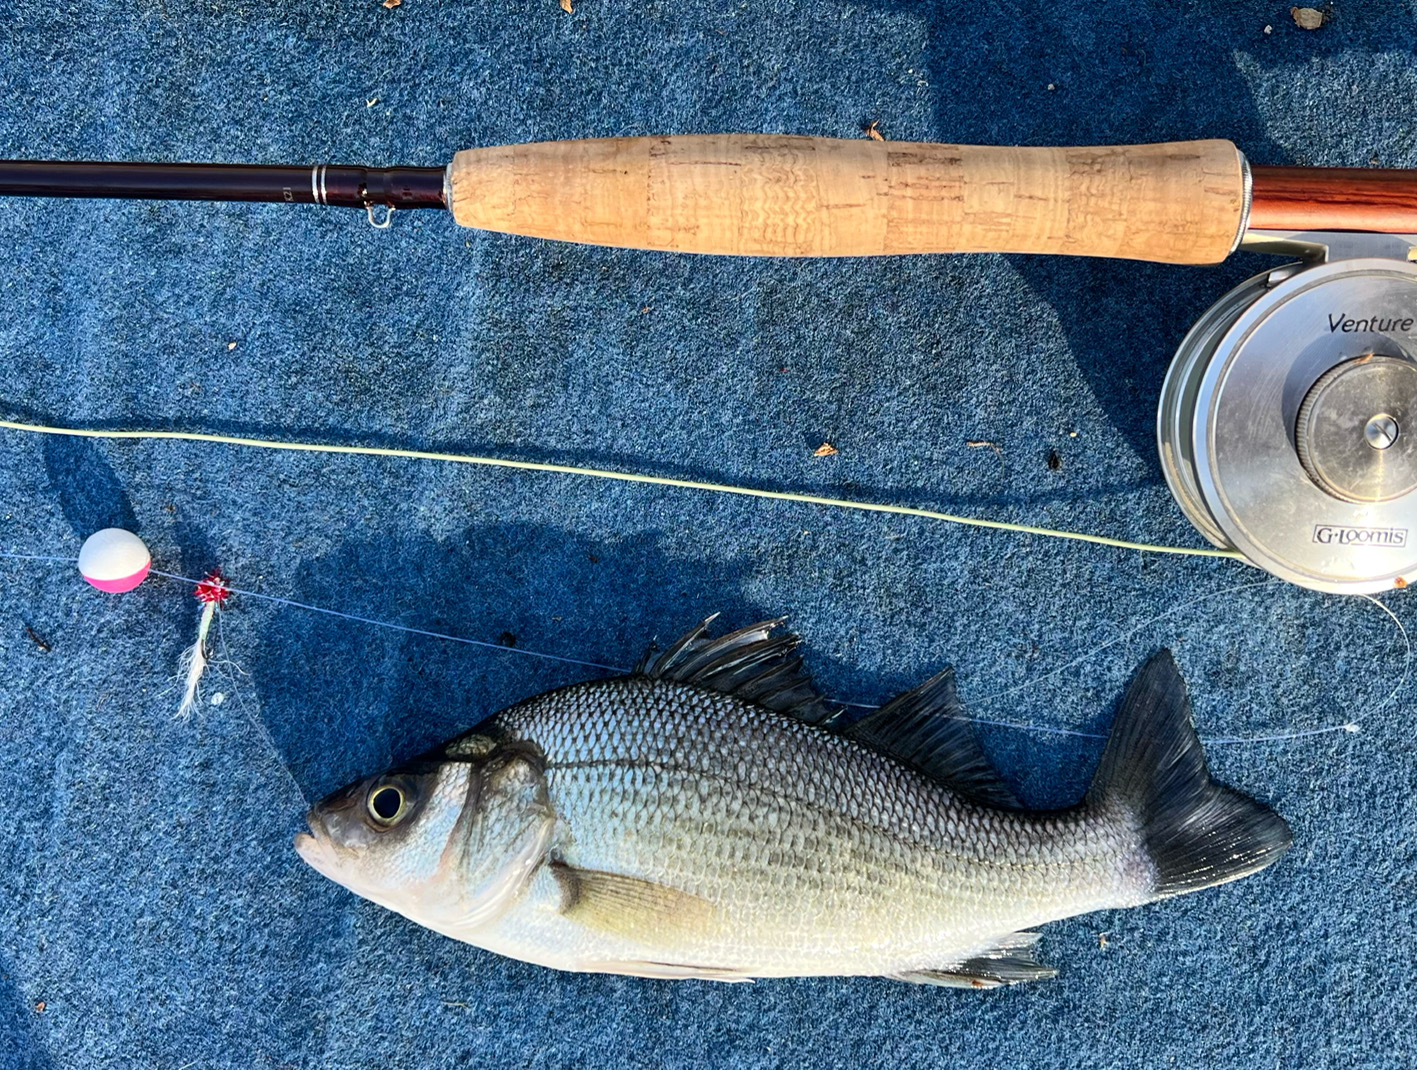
[1196, 833]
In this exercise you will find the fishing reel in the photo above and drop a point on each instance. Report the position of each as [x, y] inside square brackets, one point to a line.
[1288, 420]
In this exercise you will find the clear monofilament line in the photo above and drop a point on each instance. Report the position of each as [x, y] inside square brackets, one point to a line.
[373, 622]
[41, 557]
[1018, 726]
[254, 717]
[1352, 727]
[399, 627]
[1099, 648]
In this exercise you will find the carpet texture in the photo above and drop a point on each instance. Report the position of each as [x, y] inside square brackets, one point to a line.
[152, 910]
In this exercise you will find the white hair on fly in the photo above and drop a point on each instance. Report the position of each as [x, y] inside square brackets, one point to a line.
[212, 591]
[193, 664]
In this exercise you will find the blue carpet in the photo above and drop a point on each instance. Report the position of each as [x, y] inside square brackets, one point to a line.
[152, 911]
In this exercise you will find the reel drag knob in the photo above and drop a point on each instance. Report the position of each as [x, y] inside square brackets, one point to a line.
[1355, 431]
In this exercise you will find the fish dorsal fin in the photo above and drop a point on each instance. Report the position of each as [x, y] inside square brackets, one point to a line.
[1007, 963]
[630, 906]
[925, 728]
[752, 664]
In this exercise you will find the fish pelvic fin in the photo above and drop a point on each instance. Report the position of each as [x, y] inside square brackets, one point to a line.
[631, 906]
[1007, 963]
[927, 730]
[1197, 833]
[755, 664]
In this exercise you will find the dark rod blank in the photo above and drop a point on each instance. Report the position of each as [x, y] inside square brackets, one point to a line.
[348, 187]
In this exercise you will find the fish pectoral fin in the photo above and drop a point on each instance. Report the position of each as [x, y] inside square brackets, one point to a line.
[631, 906]
[1007, 963]
[670, 971]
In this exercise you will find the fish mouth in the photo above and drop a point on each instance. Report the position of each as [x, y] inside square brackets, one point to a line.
[305, 844]
[313, 847]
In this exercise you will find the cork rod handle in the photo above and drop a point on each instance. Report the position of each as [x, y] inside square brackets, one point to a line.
[779, 195]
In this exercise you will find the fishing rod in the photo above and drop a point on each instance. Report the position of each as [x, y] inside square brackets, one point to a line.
[1288, 420]
[783, 195]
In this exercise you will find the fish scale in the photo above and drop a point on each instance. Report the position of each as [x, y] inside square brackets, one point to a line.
[709, 816]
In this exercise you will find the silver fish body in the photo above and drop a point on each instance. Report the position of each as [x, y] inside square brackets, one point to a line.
[708, 817]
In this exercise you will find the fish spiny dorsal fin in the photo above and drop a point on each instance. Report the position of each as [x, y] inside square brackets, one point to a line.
[926, 729]
[752, 664]
[654, 664]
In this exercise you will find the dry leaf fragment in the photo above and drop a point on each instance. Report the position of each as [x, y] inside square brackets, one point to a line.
[391, 4]
[826, 449]
[873, 130]
[567, 8]
[1308, 18]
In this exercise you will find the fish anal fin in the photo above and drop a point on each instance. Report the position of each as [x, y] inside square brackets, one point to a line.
[1010, 962]
[631, 906]
[669, 971]
[927, 730]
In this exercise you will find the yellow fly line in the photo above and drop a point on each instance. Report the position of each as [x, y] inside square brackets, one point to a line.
[624, 477]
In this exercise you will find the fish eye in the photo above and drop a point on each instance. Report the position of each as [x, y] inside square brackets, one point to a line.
[387, 804]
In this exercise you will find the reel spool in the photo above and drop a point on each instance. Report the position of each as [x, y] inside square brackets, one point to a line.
[1288, 420]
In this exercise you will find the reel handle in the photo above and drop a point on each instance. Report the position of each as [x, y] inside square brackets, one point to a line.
[783, 195]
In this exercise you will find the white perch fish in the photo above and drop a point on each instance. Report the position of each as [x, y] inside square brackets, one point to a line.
[710, 817]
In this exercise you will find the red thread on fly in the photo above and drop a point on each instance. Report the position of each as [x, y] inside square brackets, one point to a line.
[213, 588]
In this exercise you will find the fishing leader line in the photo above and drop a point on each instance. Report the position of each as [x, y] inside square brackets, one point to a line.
[1351, 726]
[392, 626]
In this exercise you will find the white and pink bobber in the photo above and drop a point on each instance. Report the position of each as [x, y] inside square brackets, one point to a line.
[114, 560]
